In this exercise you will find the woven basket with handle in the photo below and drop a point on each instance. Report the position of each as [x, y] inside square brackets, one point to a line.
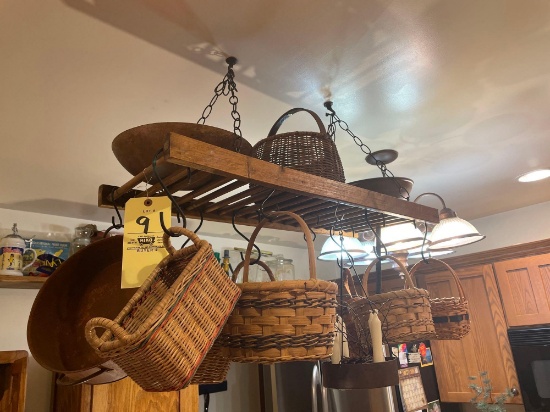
[310, 152]
[161, 337]
[451, 315]
[280, 321]
[405, 314]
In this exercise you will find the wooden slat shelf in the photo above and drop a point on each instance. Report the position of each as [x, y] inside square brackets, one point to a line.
[21, 282]
[231, 183]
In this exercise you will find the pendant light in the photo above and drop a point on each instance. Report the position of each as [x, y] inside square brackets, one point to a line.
[403, 236]
[336, 248]
[451, 231]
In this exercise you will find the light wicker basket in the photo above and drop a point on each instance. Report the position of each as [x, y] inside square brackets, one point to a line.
[451, 315]
[280, 321]
[164, 332]
[310, 152]
[405, 314]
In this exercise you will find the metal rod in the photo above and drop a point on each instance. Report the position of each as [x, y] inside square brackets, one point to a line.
[378, 262]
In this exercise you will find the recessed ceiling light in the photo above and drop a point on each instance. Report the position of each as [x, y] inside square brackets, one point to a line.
[534, 175]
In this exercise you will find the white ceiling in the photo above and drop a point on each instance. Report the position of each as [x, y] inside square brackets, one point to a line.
[460, 89]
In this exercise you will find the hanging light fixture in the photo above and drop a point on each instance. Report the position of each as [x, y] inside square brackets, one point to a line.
[451, 231]
[334, 249]
[404, 236]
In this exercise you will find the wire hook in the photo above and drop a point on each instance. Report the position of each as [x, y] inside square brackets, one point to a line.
[378, 238]
[245, 238]
[167, 192]
[114, 225]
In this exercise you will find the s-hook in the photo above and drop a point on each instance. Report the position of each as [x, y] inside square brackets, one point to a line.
[172, 199]
[253, 262]
[114, 225]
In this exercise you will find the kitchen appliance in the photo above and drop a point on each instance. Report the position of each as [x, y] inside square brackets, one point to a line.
[531, 352]
[298, 387]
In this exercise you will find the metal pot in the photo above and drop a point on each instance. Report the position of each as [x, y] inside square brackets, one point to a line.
[85, 286]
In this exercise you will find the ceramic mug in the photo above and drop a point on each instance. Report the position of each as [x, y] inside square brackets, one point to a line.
[11, 257]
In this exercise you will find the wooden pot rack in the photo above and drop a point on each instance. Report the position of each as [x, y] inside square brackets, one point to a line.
[233, 183]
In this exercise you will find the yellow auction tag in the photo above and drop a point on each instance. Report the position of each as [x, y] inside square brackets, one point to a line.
[143, 248]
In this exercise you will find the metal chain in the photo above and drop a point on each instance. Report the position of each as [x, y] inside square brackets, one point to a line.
[335, 120]
[227, 87]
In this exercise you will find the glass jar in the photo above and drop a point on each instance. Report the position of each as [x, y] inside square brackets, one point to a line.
[287, 272]
[82, 238]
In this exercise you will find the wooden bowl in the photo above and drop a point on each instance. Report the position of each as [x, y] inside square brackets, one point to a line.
[385, 185]
[136, 147]
[86, 285]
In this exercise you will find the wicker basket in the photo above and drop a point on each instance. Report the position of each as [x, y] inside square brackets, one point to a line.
[405, 314]
[451, 315]
[280, 321]
[164, 332]
[310, 152]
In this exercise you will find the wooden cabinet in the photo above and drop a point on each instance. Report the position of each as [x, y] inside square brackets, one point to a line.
[485, 348]
[525, 288]
[122, 396]
[13, 380]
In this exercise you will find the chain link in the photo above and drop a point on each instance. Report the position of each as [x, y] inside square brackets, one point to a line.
[227, 87]
[335, 120]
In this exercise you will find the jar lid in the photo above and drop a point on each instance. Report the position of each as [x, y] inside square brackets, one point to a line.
[14, 237]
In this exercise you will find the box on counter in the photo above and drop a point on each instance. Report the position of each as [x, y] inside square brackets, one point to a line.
[49, 256]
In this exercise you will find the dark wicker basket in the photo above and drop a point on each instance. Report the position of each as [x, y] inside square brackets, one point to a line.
[405, 314]
[310, 152]
[451, 315]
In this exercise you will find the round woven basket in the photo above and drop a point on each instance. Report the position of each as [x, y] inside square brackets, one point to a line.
[405, 314]
[451, 315]
[310, 152]
[289, 320]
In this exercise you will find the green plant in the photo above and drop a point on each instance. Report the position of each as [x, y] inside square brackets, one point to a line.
[483, 399]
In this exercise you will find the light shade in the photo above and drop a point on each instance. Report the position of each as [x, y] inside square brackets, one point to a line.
[453, 232]
[334, 250]
[416, 254]
[404, 236]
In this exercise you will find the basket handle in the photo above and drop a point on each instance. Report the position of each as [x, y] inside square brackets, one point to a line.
[408, 281]
[417, 265]
[285, 116]
[178, 230]
[259, 262]
[111, 327]
[307, 234]
[349, 284]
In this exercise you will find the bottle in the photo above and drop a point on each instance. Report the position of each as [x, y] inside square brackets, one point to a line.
[225, 262]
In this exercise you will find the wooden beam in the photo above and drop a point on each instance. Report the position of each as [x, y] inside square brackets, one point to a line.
[203, 156]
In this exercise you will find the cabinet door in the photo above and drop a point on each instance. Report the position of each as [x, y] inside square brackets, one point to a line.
[525, 287]
[121, 396]
[485, 348]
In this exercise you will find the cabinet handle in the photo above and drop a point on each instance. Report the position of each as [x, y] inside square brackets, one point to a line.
[514, 391]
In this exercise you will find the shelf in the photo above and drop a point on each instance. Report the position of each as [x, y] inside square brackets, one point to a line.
[21, 282]
[227, 183]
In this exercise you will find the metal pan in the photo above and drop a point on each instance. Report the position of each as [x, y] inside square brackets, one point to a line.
[85, 286]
